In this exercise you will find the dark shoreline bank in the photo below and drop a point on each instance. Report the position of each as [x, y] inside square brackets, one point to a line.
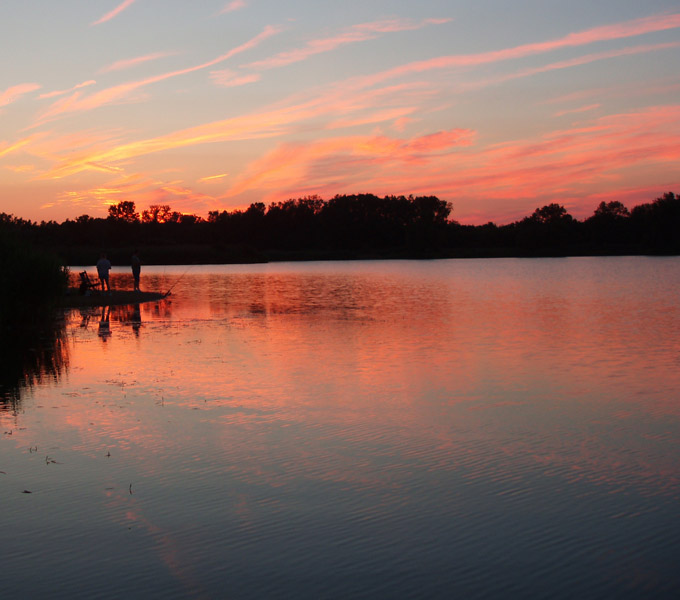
[190, 254]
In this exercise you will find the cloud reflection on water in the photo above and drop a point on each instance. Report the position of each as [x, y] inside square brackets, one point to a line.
[283, 415]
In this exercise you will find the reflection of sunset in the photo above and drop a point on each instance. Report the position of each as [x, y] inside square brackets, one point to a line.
[386, 404]
[272, 347]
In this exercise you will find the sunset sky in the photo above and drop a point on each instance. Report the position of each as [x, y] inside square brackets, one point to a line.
[498, 106]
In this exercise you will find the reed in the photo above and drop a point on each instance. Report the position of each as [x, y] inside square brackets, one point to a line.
[31, 282]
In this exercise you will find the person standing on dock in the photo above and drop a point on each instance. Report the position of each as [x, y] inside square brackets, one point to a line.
[136, 268]
[103, 268]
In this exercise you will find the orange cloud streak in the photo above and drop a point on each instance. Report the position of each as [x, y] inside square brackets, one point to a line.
[563, 164]
[269, 123]
[293, 163]
[15, 92]
[68, 91]
[7, 149]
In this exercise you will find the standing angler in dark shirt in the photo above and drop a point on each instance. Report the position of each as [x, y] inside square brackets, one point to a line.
[136, 268]
[103, 268]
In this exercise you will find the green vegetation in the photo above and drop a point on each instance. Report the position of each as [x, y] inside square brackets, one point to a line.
[351, 227]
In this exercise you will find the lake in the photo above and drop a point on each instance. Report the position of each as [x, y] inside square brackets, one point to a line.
[382, 429]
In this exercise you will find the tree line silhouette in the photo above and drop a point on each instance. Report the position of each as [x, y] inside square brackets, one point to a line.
[351, 227]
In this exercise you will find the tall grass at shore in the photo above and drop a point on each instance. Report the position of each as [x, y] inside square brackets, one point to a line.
[32, 344]
[31, 281]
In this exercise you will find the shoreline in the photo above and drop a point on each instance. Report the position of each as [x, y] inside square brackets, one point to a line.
[73, 299]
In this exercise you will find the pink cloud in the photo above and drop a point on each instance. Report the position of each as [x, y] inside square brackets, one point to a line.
[391, 114]
[234, 5]
[401, 123]
[574, 62]
[357, 33]
[114, 13]
[511, 179]
[119, 65]
[291, 164]
[229, 78]
[119, 93]
[580, 109]
[12, 94]
[627, 90]
[597, 34]
[273, 121]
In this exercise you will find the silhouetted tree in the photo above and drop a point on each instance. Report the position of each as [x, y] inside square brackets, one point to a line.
[610, 224]
[657, 224]
[158, 213]
[351, 226]
[548, 229]
[551, 214]
[124, 211]
[611, 210]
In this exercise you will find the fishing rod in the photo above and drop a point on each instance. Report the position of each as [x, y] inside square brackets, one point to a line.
[178, 280]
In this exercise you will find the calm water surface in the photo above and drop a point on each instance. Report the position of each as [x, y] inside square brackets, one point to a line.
[472, 428]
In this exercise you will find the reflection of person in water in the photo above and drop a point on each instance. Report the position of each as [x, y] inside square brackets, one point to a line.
[136, 268]
[85, 315]
[104, 324]
[136, 319]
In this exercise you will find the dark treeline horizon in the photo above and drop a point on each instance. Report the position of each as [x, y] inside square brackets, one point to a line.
[350, 227]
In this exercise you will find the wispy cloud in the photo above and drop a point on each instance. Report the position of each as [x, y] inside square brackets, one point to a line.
[120, 65]
[234, 5]
[580, 109]
[511, 178]
[118, 93]
[213, 178]
[291, 164]
[273, 121]
[20, 168]
[6, 149]
[380, 116]
[140, 188]
[12, 94]
[69, 90]
[357, 33]
[573, 62]
[597, 34]
[230, 78]
[114, 13]
[629, 90]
